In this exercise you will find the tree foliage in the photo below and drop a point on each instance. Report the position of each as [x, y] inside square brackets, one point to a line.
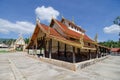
[7, 41]
[26, 40]
[117, 21]
[111, 44]
[10, 41]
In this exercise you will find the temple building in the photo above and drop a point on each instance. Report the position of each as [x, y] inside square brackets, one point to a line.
[115, 51]
[19, 44]
[64, 40]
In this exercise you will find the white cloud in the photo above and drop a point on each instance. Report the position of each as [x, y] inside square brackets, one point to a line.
[23, 27]
[46, 13]
[112, 29]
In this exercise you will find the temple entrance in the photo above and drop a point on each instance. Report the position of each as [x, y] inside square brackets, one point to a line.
[19, 48]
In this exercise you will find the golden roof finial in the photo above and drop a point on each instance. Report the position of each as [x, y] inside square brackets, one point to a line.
[63, 17]
[37, 19]
[96, 38]
[52, 17]
[73, 19]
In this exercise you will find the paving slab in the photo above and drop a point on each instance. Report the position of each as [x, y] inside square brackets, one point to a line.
[5, 68]
[32, 69]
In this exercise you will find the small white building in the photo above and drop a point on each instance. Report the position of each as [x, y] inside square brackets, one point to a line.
[19, 44]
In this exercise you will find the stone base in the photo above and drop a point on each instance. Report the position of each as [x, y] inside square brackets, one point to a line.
[70, 66]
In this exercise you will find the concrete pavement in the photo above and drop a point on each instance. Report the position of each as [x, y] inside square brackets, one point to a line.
[18, 66]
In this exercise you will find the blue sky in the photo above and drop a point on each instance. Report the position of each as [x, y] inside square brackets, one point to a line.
[95, 16]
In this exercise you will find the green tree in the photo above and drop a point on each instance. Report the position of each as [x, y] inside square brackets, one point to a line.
[26, 40]
[117, 21]
[111, 44]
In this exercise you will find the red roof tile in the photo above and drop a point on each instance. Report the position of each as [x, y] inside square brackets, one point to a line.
[52, 31]
[115, 49]
[72, 33]
[87, 38]
[68, 31]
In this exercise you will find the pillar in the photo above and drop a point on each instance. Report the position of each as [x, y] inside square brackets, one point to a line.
[58, 47]
[40, 51]
[50, 47]
[90, 54]
[36, 47]
[33, 49]
[78, 52]
[28, 50]
[44, 45]
[97, 54]
[100, 52]
[103, 51]
[74, 60]
[65, 50]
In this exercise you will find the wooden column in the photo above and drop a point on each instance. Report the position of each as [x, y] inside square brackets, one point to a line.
[50, 47]
[78, 52]
[36, 50]
[100, 52]
[36, 46]
[45, 48]
[44, 45]
[104, 51]
[41, 46]
[89, 54]
[28, 50]
[33, 49]
[65, 51]
[74, 60]
[96, 52]
[58, 49]
[40, 51]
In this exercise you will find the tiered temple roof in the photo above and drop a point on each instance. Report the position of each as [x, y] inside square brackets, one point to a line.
[62, 32]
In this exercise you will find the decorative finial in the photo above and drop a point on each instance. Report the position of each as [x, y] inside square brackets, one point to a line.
[63, 17]
[96, 38]
[37, 19]
[52, 17]
[73, 19]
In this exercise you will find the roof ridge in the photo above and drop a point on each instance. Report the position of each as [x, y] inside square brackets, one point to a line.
[73, 24]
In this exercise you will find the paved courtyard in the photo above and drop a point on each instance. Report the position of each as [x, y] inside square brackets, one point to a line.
[18, 66]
